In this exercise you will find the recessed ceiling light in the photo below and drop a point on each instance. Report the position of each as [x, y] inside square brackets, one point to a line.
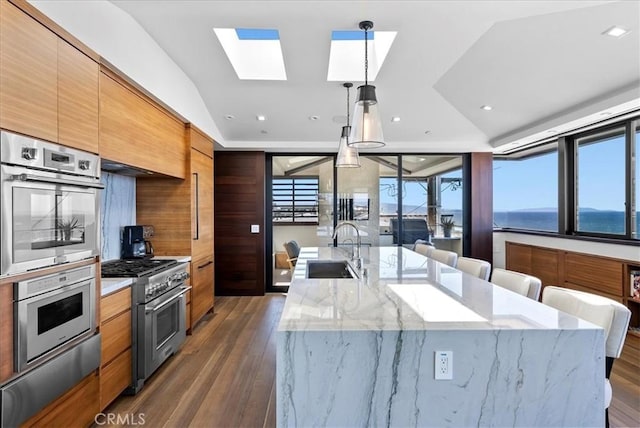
[615, 31]
[421, 159]
[395, 119]
[314, 118]
[261, 118]
[486, 107]
[229, 117]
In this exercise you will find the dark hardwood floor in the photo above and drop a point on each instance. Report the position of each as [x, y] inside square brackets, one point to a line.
[224, 375]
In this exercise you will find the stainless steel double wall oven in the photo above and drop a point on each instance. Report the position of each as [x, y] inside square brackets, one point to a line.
[49, 215]
[50, 204]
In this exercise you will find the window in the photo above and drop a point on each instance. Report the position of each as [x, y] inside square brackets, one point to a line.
[295, 200]
[600, 183]
[636, 183]
[525, 191]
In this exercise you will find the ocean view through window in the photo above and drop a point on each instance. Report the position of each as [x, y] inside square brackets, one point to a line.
[600, 183]
[583, 184]
[525, 192]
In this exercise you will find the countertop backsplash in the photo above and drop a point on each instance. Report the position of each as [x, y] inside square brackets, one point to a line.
[117, 209]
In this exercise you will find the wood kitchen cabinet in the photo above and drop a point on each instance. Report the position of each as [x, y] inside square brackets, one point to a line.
[181, 212]
[28, 75]
[115, 360]
[134, 131]
[76, 408]
[77, 99]
[48, 88]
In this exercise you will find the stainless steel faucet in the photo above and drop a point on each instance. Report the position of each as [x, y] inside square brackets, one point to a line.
[355, 252]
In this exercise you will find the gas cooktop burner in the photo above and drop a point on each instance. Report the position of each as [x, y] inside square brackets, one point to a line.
[134, 267]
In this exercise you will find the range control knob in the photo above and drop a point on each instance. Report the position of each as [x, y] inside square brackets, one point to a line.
[84, 164]
[28, 153]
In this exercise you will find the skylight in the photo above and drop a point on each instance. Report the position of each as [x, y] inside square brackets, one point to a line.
[346, 59]
[255, 54]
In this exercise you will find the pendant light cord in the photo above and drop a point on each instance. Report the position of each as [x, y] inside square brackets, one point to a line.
[348, 123]
[366, 57]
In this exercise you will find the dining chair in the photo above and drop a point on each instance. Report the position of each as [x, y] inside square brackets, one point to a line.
[293, 251]
[517, 282]
[475, 267]
[447, 257]
[424, 249]
[612, 316]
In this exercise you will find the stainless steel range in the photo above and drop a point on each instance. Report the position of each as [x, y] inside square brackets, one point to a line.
[158, 311]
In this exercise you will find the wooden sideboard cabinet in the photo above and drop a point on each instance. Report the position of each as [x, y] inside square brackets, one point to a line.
[48, 88]
[606, 276]
[115, 360]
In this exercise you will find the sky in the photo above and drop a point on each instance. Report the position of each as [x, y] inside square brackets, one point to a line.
[533, 183]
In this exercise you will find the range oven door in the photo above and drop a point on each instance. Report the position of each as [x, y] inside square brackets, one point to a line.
[48, 323]
[161, 322]
[46, 219]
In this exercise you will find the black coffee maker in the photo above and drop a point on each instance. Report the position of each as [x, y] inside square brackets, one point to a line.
[135, 243]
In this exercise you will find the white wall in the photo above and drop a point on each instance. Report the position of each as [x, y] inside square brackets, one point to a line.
[626, 252]
[117, 37]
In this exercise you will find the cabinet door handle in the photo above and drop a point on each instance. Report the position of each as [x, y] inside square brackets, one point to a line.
[205, 265]
[197, 191]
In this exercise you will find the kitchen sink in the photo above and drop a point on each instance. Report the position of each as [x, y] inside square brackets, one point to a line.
[330, 269]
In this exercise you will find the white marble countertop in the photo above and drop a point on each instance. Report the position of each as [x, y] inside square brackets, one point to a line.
[407, 291]
[111, 285]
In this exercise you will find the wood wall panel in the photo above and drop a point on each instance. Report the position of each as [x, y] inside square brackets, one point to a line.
[479, 209]
[28, 75]
[597, 273]
[239, 254]
[165, 204]
[78, 77]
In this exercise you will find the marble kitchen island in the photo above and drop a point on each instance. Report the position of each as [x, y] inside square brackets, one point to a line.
[361, 352]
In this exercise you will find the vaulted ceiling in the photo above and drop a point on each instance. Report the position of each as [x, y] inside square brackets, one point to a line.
[543, 66]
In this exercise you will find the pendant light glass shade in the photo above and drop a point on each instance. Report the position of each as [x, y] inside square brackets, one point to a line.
[366, 128]
[347, 155]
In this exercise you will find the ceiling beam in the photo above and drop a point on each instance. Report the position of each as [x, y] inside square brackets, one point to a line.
[387, 163]
[307, 165]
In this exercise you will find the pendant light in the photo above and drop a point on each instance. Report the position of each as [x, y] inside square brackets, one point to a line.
[347, 155]
[366, 129]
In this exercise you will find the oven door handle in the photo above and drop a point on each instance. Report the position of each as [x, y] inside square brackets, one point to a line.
[183, 291]
[52, 180]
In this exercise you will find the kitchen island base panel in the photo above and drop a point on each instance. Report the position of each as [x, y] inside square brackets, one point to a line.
[500, 378]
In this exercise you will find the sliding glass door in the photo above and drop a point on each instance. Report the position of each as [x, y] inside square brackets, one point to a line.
[392, 199]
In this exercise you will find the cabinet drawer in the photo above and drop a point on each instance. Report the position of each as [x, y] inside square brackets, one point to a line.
[76, 408]
[114, 378]
[116, 337]
[115, 303]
